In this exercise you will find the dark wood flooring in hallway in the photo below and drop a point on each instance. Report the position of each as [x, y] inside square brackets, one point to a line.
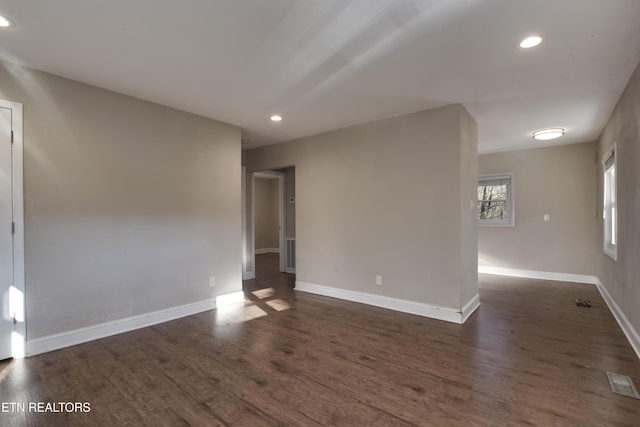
[528, 356]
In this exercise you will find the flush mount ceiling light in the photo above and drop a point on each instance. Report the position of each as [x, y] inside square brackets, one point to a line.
[6, 22]
[276, 118]
[530, 42]
[547, 134]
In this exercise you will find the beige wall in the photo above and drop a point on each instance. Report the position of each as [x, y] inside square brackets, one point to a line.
[129, 206]
[289, 208]
[559, 181]
[385, 198]
[622, 278]
[267, 213]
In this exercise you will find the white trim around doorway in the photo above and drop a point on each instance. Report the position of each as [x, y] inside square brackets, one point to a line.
[17, 120]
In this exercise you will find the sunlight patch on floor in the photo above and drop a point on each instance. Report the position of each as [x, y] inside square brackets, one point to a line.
[264, 293]
[278, 304]
[239, 313]
[5, 371]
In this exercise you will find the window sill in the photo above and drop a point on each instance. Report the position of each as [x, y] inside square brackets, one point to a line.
[497, 225]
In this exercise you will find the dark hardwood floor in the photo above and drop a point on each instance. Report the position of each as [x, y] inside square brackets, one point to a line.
[528, 356]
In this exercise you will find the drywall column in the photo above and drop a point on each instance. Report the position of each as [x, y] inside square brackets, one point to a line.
[388, 198]
[468, 213]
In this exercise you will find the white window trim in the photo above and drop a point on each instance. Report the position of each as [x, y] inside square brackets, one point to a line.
[610, 249]
[510, 200]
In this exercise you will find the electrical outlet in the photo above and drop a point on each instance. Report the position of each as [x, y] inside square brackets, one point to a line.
[212, 281]
[546, 217]
[378, 280]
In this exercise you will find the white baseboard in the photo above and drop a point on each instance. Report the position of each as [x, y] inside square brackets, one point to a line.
[629, 331]
[249, 275]
[470, 307]
[103, 330]
[421, 309]
[228, 299]
[540, 275]
[290, 270]
[267, 251]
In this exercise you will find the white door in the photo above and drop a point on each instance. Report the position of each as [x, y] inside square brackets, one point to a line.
[6, 234]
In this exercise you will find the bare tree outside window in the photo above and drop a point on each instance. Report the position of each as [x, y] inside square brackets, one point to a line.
[495, 200]
[492, 202]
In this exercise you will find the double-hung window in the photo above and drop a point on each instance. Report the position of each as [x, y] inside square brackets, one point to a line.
[495, 200]
[610, 204]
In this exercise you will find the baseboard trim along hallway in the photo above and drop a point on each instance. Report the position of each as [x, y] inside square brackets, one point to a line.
[540, 275]
[267, 251]
[421, 309]
[628, 329]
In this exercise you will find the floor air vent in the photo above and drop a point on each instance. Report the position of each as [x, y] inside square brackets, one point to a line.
[622, 384]
[290, 266]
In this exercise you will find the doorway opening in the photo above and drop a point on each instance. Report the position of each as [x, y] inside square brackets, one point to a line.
[271, 229]
[268, 217]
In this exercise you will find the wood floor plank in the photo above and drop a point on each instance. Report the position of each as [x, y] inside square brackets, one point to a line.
[528, 356]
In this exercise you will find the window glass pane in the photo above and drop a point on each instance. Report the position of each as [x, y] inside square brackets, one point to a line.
[492, 192]
[610, 220]
[496, 209]
[495, 200]
[613, 226]
[492, 202]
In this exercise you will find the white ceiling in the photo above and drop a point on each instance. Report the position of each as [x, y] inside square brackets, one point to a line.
[328, 64]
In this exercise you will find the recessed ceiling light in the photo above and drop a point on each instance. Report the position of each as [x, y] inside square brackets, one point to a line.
[276, 118]
[530, 42]
[5, 22]
[547, 134]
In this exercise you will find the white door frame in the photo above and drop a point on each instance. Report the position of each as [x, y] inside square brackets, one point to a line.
[281, 219]
[243, 204]
[18, 298]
